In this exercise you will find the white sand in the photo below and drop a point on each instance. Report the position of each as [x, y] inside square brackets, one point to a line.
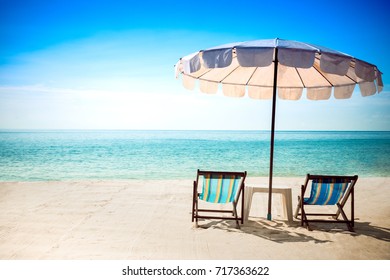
[139, 219]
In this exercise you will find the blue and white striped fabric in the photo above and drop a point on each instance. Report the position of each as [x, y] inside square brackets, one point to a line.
[326, 191]
[220, 188]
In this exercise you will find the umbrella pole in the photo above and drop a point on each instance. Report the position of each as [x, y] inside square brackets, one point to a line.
[271, 160]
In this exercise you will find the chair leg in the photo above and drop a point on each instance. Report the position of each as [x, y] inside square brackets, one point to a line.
[352, 208]
[349, 223]
[193, 211]
[304, 219]
[194, 199]
[301, 203]
[196, 212]
[235, 215]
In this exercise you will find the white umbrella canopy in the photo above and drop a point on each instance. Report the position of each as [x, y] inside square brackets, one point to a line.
[263, 69]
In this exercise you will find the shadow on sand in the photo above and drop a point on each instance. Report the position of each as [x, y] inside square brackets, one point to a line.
[282, 231]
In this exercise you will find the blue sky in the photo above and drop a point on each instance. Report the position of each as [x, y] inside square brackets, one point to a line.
[109, 64]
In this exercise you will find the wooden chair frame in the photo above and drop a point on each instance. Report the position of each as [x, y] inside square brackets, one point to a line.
[349, 192]
[240, 194]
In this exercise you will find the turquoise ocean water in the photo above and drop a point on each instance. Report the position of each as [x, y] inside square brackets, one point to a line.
[74, 155]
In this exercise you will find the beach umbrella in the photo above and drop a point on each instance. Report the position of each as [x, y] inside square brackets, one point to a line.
[265, 69]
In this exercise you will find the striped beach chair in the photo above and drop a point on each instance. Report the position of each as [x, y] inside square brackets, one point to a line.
[218, 187]
[326, 191]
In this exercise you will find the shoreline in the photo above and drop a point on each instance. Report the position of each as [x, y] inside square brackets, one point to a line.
[150, 219]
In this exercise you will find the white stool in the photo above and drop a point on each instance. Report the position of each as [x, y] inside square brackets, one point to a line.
[286, 199]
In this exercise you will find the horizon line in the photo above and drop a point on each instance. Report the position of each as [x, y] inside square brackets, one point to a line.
[215, 130]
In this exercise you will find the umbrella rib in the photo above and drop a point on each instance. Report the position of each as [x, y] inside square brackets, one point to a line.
[251, 76]
[315, 67]
[346, 75]
[203, 74]
[355, 82]
[229, 74]
[300, 77]
[235, 56]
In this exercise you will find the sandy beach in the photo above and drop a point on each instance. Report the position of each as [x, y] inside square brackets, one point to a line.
[151, 219]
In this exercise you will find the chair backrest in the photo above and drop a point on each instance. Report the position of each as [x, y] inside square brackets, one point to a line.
[220, 187]
[329, 190]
